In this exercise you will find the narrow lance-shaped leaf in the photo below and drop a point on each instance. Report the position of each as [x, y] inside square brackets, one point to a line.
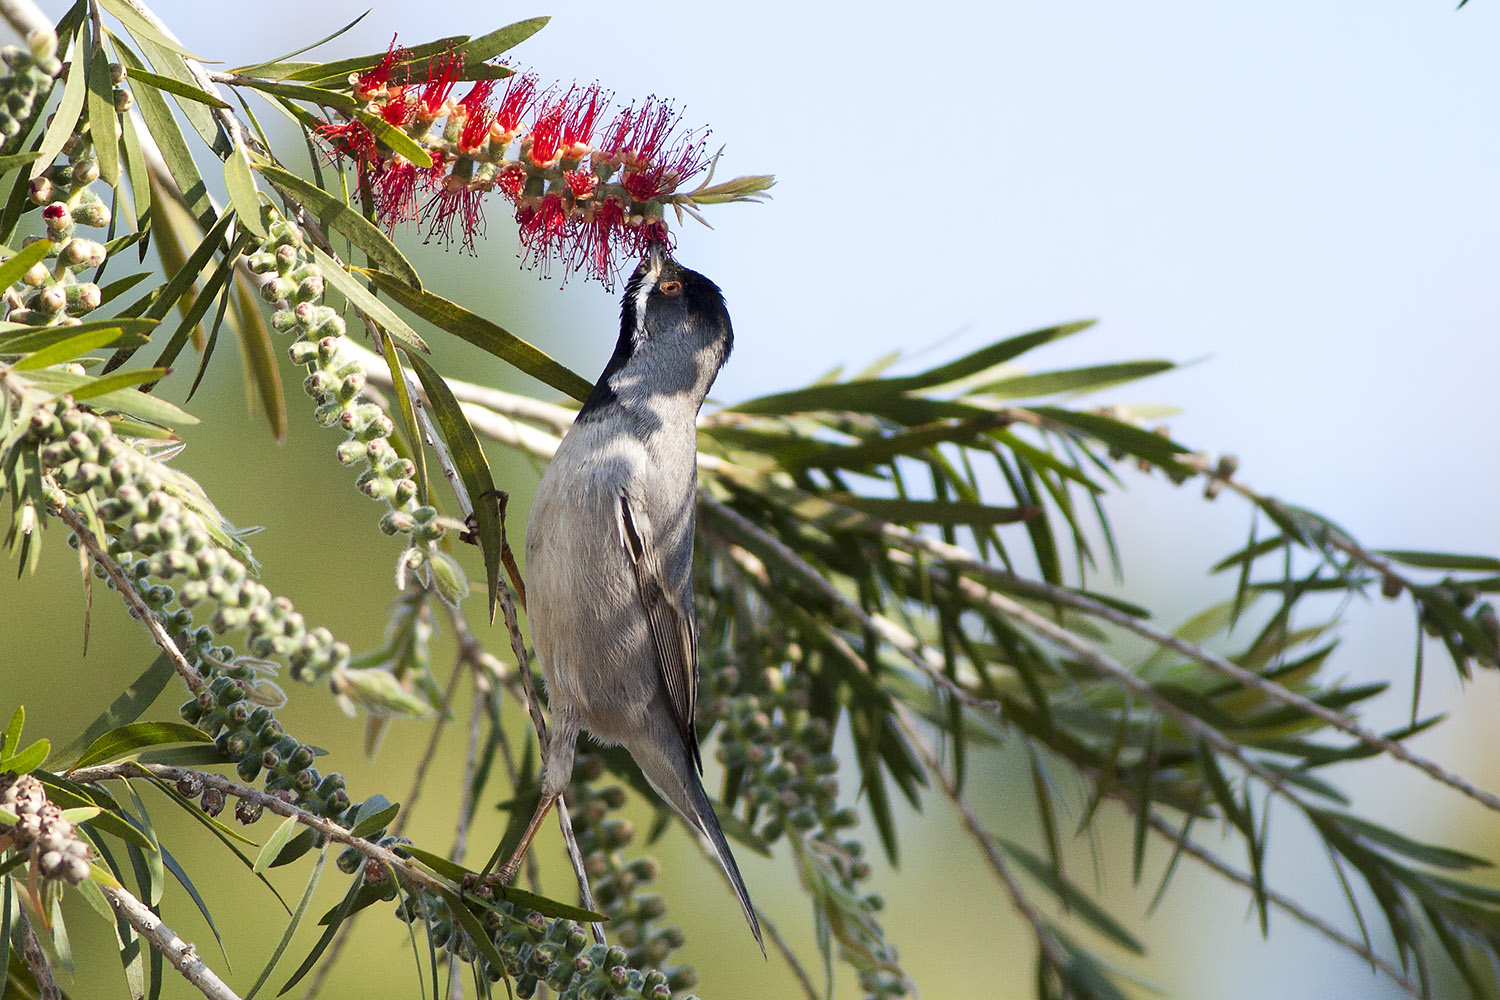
[473, 469]
[455, 319]
[335, 215]
[65, 118]
[103, 119]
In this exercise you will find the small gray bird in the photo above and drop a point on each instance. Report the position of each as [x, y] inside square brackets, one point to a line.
[609, 553]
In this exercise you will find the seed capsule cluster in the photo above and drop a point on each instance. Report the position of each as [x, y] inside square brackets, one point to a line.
[787, 774]
[635, 916]
[26, 82]
[52, 292]
[539, 952]
[337, 384]
[40, 832]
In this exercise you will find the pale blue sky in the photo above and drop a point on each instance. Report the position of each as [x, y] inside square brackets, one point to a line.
[1303, 195]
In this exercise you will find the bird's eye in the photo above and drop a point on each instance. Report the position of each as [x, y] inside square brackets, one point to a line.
[672, 289]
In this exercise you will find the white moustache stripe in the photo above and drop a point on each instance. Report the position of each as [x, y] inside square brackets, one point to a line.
[648, 282]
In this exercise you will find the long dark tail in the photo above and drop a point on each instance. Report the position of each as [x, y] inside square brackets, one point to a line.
[701, 815]
[666, 762]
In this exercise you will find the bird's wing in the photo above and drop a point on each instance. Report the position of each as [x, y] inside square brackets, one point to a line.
[672, 631]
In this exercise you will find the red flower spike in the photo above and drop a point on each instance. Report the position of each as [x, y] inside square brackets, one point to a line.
[477, 117]
[597, 241]
[352, 139]
[664, 172]
[455, 202]
[442, 74]
[520, 94]
[578, 129]
[545, 230]
[637, 137]
[582, 183]
[396, 193]
[544, 144]
[371, 82]
[400, 107]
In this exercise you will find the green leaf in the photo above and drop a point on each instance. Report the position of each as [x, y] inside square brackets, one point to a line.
[194, 755]
[14, 160]
[1077, 901]
[65, 118]
[68, 348]
[127, 706]
[138, 208]
[375, 821]
[294, 849]
[455, 872]
[273, 846]
[365, 301]
[333, 919]
[934, 511]
[399, 142]
[455, 319]
[1442, 560]
[256, 69]
[242, 192]
[28, 760]
[863, 394]
[338, 72]
[162, 126]
[171, 865]
[19, 263]
[292, 924]
[474, 930]
[115, 381]
[335, 215]
[104, 124]
[127, 401]
[12, 737]
[177, 88]
[80, 814]
[473, 469]
[1076, 380]
[301, 92]
[127, 739]
[142, 28]
[1132, 440]
[259, 356]
[487, 47]
[185, 278]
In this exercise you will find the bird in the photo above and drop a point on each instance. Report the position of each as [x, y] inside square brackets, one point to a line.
[609, 555]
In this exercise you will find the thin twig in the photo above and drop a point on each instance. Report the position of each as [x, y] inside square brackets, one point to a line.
[798, 972]
[182, 954]
[127, 589]
[1286, 904]
[405, 868]
[1046, 940]
[961, 560]
[36, 960]
[419, 778]
[335, 951]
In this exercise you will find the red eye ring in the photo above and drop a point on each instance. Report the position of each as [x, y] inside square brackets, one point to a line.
[671, 289]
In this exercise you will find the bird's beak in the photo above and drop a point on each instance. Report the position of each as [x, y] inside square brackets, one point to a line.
[658, 255]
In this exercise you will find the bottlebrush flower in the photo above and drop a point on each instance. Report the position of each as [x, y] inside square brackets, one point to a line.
[374, 82]
[442, 74]
[520, 94]
[583, 195]
[474, 112]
